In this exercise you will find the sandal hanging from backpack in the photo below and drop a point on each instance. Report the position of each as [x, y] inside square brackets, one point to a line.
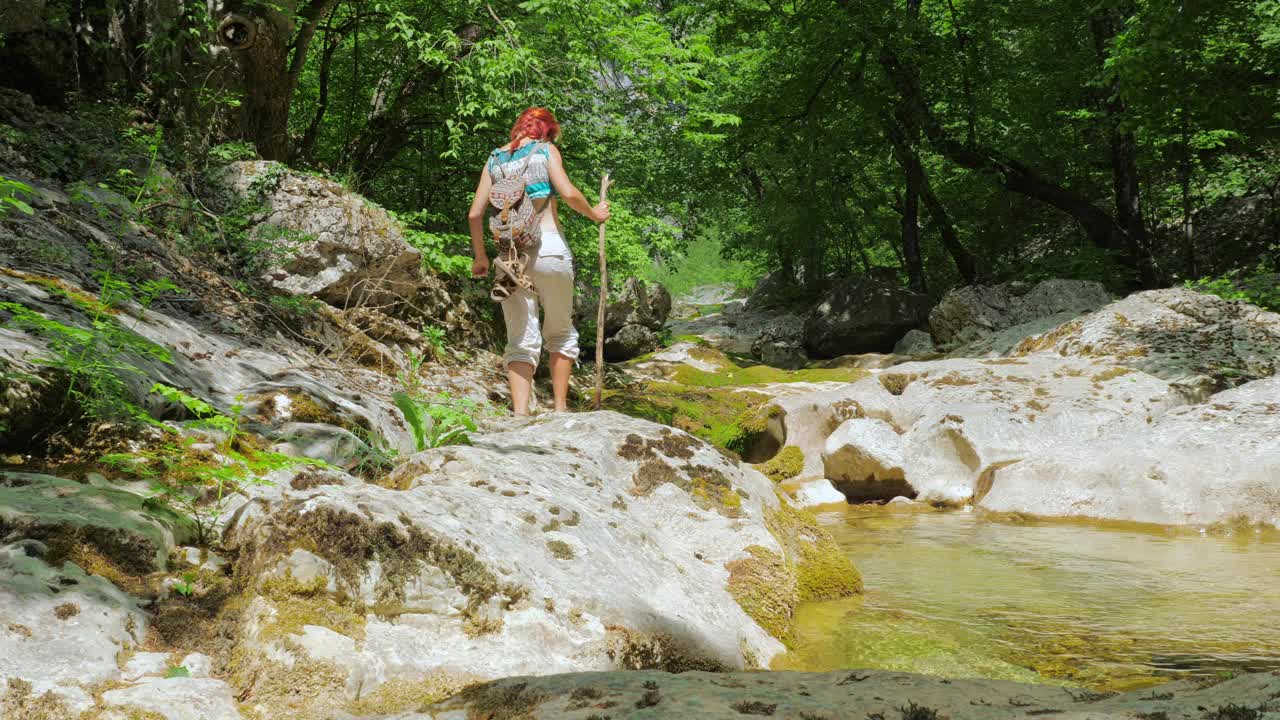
[515, 225]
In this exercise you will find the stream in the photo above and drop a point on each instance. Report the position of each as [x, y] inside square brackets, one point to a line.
[1109, 607]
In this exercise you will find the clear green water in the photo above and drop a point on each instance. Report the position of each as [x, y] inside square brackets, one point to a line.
[957, 595]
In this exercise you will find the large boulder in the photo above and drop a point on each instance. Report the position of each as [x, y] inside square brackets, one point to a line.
[573, 543]
[638, 303]
[861, 315]
[780, 343]
[1197, 464]
[863, 458]
[1177, 334]
[988, 320]
[318, 238]
[957, 421]
[630, 341]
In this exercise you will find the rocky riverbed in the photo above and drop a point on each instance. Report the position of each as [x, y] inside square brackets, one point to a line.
[215, 501]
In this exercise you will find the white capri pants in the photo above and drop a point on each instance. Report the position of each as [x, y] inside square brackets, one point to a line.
[552, 277]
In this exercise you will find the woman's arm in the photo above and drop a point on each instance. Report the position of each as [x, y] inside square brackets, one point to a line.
[479, 266]
[571, 195]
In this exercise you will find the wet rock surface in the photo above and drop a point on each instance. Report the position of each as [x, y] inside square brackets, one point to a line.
[844, 694]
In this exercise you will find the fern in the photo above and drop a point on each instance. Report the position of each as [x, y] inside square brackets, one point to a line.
[420, 423]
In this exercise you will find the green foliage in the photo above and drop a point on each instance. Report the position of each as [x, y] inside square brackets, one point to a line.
[441, 420]
[1084, 262]
[197, 482]
[436, 337]
[702, 263]
[1262, 289]
[9, 200]
[186, 585]
[233, 151]
[177, 671]
[100, 359]
[443, 253]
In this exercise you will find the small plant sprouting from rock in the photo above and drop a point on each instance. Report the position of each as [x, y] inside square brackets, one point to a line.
[441, 420]
[201, 482]
[176, 671]
[754, 707]
[186, 585]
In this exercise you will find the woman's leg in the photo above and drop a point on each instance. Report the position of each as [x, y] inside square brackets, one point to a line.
[524, 344]
[520, 378]
[561, 369]
[554, 279]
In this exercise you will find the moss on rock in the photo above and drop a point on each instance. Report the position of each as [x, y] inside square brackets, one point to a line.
[788, 463]
[769, 586]
[823, 571]
[764, 585]
[405, 695]
[724, 417]
[350, 542]
[638, 650]
[300, 604]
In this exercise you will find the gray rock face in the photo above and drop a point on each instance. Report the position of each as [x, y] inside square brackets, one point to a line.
[1112, 415]
[180, 698]
[630, 341]
[945, 427]
[988, 320]
[135, 533]
[1197, 464]
[863, 457]
[781, 343]
[325, 240]
[61, 629]
[1176, 334]
[861, 315]
[638, 304]
[843, 694]
[915, 342]
[581, 542]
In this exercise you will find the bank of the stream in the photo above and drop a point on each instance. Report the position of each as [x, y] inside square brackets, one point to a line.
[1107, 607]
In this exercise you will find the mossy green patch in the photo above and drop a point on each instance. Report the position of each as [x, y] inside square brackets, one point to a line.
[404, 695]
[788, 463]
[737, 376]
[764, 585]
[724, 417]
[823, 571]
[768, 586]
[300, 604]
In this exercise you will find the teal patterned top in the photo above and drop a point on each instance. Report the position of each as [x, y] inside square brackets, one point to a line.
[504, 163]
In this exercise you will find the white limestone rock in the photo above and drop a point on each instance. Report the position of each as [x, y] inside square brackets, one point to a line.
[863, 457]
[1200, 464]
[177, 698]
[562, 545]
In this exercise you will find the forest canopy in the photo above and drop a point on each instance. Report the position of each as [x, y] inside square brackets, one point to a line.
[939, 142]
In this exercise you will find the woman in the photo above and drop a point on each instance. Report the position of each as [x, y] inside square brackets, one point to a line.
[550, 262]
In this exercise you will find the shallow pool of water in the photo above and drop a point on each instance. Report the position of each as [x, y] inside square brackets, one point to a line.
[1114, 607]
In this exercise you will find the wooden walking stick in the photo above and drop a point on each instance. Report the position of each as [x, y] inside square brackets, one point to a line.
[604, 300]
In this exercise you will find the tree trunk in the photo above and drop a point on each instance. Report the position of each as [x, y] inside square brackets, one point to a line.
[911, 233]
[392, 123]
[271, 56]
[1105, 25]
[1100, 227]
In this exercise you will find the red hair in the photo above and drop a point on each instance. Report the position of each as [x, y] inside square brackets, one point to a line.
[537, 123]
